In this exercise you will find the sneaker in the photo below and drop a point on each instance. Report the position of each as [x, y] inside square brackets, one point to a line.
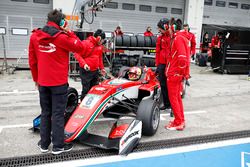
[165, 107]
[66, 148]
[43, 150]
[172, 126]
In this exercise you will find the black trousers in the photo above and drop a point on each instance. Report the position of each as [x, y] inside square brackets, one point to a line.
[88, 79]
[163, 83]
[53, 101]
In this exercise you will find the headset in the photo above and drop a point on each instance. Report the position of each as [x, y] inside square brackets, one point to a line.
[62, 22]
[173, 27]
[163, 24]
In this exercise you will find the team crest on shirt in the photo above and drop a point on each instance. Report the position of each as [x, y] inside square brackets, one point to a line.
[47, 48]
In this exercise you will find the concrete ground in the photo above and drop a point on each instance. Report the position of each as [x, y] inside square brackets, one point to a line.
[214, 103]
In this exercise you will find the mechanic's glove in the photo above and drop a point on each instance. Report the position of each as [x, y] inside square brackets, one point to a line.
[86, 67]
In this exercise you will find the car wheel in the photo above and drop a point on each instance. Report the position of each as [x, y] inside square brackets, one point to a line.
[149, 113]
[71, 103]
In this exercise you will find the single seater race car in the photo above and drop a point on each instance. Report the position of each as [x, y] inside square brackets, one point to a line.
[115, 98]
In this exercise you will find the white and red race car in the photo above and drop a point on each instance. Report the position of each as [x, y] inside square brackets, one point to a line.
[115, 98]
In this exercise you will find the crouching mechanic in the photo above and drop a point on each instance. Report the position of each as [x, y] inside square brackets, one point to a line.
[90, 61]
[176, 71]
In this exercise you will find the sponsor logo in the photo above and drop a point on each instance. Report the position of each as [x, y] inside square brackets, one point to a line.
[129, 136]
[47, 49]
[78, 116]
[118, 89]
[119, 132]
[245, 159]
[100, 88]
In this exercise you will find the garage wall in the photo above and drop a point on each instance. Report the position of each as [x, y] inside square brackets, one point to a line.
[19, 19]
[227, 12]
[137, 20]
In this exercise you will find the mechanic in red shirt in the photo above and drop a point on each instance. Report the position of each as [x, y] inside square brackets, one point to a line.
[49, 63]
[192, 43]
[162, 52]
[148, 32]
[118, 31]
[90, 60]
[175, 73]
[215, 43]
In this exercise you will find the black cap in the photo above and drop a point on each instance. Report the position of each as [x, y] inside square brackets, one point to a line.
[162, 22]
[101, 33]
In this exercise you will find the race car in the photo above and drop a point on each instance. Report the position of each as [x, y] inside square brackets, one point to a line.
[135, 93]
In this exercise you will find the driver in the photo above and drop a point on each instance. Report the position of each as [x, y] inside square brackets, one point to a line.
[134, 73]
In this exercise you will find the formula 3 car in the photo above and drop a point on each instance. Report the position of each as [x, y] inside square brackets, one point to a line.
[115, 98]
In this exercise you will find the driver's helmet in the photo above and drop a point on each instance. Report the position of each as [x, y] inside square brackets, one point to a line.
[134, 73]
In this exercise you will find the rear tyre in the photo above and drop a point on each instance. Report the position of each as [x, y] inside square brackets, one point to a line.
[71, 103]
[149, 113]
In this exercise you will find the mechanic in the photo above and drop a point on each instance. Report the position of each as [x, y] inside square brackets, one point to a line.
[175, 73]
[148, 32]
[90, 61]
[134, 73]
[192, 43]
[205, 43]
[118, 31]
[215, 43]
[162, 52]
[49, 63]
[191, 39]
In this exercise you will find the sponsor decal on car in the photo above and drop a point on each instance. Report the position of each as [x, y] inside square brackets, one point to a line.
[118, 81]
[100, 88]
[119, 89]
[129, 136]
[78, 116]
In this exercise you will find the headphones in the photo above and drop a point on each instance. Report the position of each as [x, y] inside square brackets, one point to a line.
[173, 27]
[62, 22]
[98, 39]
[166, 27]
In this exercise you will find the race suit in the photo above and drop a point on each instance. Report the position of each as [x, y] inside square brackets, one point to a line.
[91, 55]
[175, 72]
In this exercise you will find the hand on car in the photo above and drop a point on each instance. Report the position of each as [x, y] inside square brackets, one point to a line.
[103, 72]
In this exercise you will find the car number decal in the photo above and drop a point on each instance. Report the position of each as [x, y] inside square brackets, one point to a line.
[89, 101]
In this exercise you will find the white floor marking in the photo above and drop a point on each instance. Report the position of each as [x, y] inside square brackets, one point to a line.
[16, 91]
[162, 117]
[148, 154]
[15, 126]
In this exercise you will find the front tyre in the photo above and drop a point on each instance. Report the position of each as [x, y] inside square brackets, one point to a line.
[149, 113]
[71, 103]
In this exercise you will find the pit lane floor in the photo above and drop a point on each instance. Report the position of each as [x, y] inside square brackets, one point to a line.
[214, 104]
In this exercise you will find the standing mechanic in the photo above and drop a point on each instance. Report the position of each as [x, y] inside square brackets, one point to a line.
[49, 62]
[175, 73]
[162, 52]
[90, 60]
[192, 44]
[148, 32]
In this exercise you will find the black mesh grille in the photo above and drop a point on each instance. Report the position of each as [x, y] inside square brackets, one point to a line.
[95, 152]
